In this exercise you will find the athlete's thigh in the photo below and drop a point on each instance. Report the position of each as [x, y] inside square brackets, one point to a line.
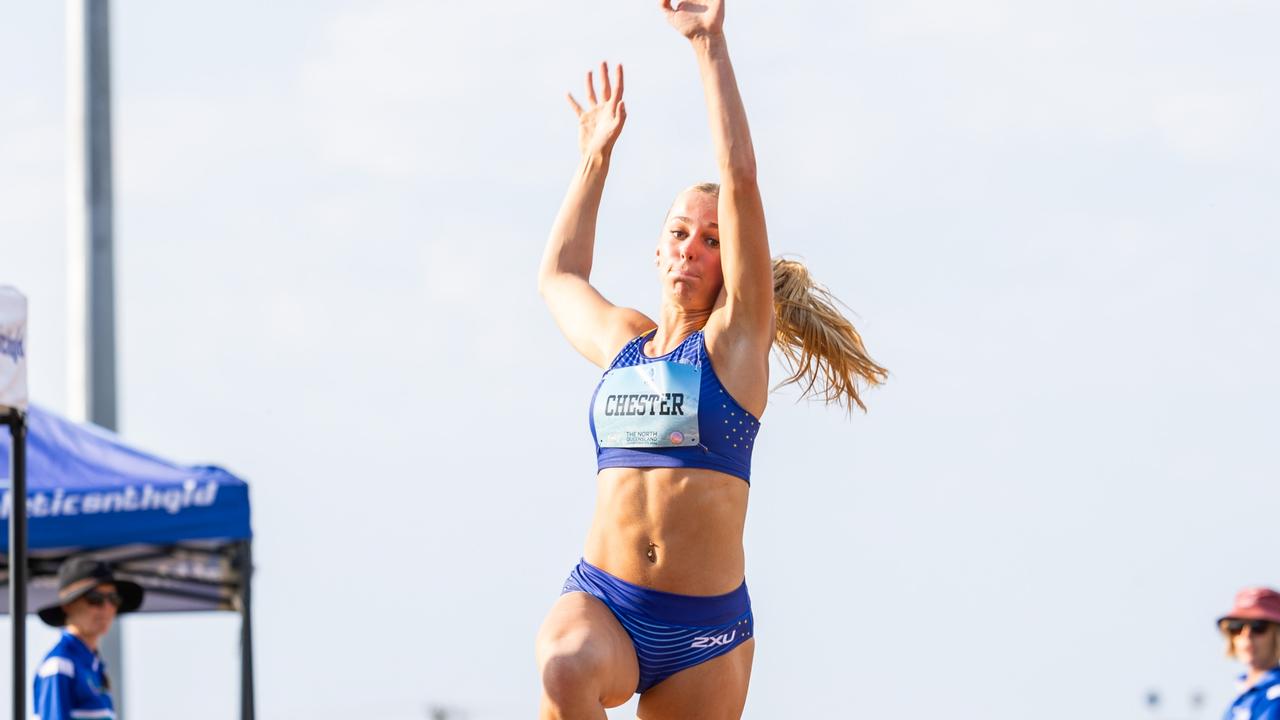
[583, 631]
[714, 690]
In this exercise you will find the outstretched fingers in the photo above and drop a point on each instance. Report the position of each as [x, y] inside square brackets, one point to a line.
[610, 90]
[577, 109]
[617, 96]
[605, 90]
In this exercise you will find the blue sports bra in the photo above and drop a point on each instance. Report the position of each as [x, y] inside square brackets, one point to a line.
[670, 411]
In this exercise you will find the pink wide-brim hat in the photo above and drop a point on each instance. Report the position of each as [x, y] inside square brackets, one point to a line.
[1255, 603]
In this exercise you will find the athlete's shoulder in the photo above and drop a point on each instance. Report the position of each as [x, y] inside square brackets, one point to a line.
[631, 345]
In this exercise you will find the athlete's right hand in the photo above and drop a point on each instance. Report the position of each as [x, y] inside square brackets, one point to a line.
[600, 123]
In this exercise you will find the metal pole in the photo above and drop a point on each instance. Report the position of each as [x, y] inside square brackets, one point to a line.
[92, 324]
[246, 631]
[92, 366]
[17, 423]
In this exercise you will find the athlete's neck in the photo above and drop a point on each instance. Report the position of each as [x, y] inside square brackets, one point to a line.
[674, 325]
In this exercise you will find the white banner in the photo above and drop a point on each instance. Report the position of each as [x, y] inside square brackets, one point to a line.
[13, 348]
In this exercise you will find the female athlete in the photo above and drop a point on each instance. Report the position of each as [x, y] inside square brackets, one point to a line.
[658, 605]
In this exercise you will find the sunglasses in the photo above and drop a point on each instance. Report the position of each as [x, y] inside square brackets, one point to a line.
[97, 598]
[1235, 627]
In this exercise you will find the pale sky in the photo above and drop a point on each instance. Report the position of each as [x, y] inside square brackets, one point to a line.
[1056, 223]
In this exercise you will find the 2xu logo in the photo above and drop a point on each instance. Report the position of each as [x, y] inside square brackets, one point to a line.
[705, 642]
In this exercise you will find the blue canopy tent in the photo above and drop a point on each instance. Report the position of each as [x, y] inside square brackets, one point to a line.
[182, 532]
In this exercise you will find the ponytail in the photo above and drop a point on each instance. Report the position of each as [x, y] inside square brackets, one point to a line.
[823, 348]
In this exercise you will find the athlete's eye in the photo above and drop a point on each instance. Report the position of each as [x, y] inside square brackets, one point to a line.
[713, 242]
[679, 234]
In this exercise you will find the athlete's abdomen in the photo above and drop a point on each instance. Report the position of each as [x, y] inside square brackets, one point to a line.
[672, 529]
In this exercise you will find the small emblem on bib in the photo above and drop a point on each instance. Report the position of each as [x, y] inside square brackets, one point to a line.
[677, 438]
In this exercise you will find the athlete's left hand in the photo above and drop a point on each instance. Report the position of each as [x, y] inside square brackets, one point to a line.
[695, 19]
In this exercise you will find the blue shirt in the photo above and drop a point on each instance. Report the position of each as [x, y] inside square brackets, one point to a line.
[670, 411]
[70, 684]
[1260, 702]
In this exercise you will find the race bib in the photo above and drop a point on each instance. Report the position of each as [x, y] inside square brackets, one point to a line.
[650, 406]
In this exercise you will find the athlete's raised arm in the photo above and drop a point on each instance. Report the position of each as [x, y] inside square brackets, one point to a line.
[747, 318]
[594, 326]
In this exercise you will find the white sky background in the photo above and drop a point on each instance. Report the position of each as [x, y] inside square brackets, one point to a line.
[1057, 223]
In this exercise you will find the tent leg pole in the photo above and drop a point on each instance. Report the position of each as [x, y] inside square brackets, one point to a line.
[246, 632]
[18, 558]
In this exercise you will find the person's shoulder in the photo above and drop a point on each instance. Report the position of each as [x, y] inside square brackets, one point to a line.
[65, 646]
[1267, 707]
[58, 661]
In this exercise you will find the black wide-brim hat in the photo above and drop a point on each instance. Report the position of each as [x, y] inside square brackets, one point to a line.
[77, 577]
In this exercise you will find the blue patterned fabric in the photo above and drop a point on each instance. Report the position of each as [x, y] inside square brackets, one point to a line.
[1260, 702]
[670, 632]
[727, 431]
[71, 684]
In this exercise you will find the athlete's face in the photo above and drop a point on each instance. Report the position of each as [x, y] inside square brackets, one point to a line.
[688, 254]
[1256, 644]
[93, 613]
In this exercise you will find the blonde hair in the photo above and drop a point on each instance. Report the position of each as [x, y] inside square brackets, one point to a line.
[823, 349]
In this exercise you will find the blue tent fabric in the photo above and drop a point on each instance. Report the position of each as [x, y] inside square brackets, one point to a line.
[182, 532]
[86, 489]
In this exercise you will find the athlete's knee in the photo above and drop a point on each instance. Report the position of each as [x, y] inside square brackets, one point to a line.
[572, 672]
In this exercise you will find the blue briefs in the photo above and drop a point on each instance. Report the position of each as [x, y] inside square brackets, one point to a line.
[670, 632]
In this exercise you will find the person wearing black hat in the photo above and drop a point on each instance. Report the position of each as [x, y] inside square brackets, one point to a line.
[71, 681]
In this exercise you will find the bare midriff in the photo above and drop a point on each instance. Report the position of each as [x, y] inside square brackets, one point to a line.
[677, 530]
